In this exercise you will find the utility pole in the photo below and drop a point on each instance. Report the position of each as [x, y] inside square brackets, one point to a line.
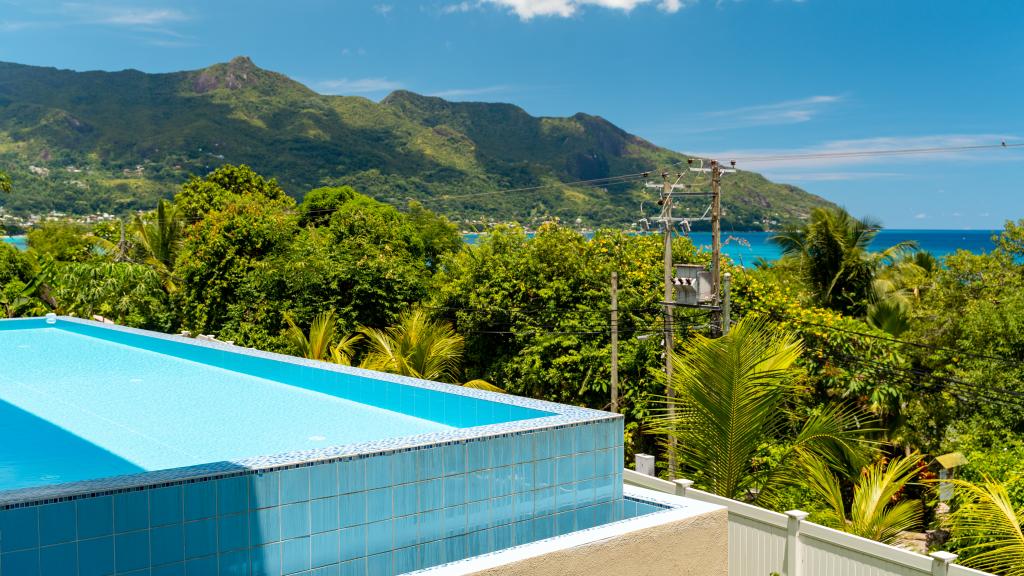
[726, 303]
[716, 242]
[666, 218]
[615, 342]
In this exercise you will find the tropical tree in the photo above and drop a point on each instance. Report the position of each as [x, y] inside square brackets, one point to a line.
[317, 343]
[160, 237]
[5, 182]
[986, 528]
[418, 346]
[729, 402]
[832, 250]
[875, 512]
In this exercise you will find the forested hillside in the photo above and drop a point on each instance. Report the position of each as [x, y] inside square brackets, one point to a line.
[84, 142]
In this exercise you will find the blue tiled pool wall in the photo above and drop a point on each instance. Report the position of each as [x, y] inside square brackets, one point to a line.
[376, 515]
[456, 410]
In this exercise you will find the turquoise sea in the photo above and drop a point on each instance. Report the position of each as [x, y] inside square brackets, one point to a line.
[746, 247]
[19, 242]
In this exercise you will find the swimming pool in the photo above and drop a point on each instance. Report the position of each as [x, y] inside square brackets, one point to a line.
[130, 452]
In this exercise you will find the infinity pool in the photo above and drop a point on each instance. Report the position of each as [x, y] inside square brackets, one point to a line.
[128, 452]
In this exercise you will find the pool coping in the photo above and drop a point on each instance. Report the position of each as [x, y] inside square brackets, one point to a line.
[676, 508]
[563, 416]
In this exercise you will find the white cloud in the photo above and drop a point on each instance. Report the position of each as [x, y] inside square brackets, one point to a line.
[920, 216]
[833, 176]
[470, 92]
[864, 151]
[528, 9]
[120, 15]
[772, 114]
[383, 9]
[357, 85]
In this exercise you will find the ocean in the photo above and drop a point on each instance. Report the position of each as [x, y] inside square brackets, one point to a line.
[19, 242]
[745, 248]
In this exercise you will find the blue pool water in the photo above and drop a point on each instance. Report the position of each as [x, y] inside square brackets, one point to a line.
[76, 407]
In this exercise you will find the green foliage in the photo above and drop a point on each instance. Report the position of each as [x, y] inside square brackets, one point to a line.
[417, 346]
[729, 399]
[5, 182]
[876, 510]
[61, 241]
[986, 528]
[129, 294]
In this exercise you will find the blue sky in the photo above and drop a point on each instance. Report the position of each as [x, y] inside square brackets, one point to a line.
[729, 78]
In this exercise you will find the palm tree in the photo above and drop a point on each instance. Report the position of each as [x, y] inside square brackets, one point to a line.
[832, 250]
[160, 238]
[729, 395]
[420, 347]
[316, 344]
[986, 528]
[873, 512]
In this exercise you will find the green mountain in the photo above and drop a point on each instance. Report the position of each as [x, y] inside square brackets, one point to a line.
[84, 142]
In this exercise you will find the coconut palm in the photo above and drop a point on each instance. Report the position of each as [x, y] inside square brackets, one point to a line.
[729, 397]
[160, 238]
[317, 343]
[875, 512]
[833, 253]
[418, 346]
[986, 528]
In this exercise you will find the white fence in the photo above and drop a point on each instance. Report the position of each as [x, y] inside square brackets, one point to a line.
[762, 542]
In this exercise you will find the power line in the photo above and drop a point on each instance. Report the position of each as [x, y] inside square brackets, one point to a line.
[881, 152]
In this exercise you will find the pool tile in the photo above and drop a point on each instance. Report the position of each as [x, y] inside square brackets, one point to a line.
[503, 510]
[23, 562]
[455, 548]
[325, 548]
[405, 560]
[95, 518]
[353, 568]
[295, 520]
[501, 481]
[544, 473]
[131, 551]
[379, 537]
[455, 490]
[454, 458]
[378, 471]
[56, 523]
[523, 477]
[295, 485]
[404, 499]
[564, 440]
[478, 514]
[378, 504]
[403, 467]
[234, 563]
[585, 438]
[353, 542]
[405, 531]
[564, 470]
[524, 447]
[479, 487]
[264, 489]
[380, 565]
[430, 494]
[432, 554]
[565, 522]
[523, 532]
[58, 560]
[265, 525]
[456, 520]
[233, 532]
[232, 495]
[200, 500]
[544, 501]
[167, 544]
[201, 566]
[95, 557]
[200, 538]
[430, 526]
[165, 506]
[480, 542]
[477, 456]
[323, 515]
[352, 509]
[266, 560]
[585, 466]
[429, 463]
[503, 536]
[131, 511]
[544, 444]
[351, 476]
[169, 570]
[323, 480]
[295, 555]
[523, 505]
[543, 527]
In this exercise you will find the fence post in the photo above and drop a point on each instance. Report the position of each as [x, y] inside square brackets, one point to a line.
[792, 563]
[682, 485]
[941, 562]
[645, 464]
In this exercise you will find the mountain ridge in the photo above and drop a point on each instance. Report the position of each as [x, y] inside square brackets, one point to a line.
[116, 141]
